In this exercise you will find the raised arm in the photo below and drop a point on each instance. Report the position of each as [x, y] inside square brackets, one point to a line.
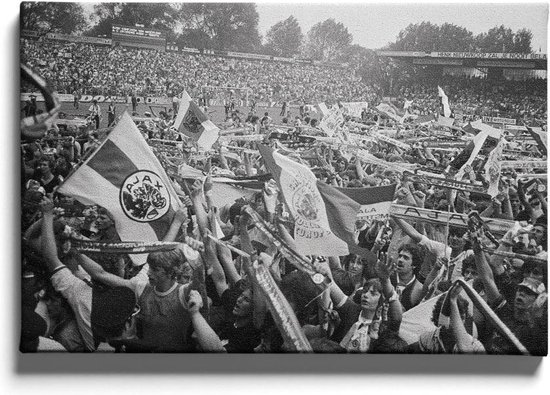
[49, 248]
[208, 340]
[336, 294]
[198, 205]
[542, 200]
[208, 192]
[218, 274]
[259, 304]
[246, 243]
[485, 273]
[98, 273]
[224, 256]
[408, 229]
[463, 339]
[384, 269]
[179, 219]
[221, 158]
[433, 274]
[523, 199]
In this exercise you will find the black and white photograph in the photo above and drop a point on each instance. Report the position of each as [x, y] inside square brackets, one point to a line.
[252, 178]
[193, 184]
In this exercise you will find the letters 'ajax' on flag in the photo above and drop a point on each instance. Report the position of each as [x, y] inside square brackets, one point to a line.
[124, 176]
[444, 102]
[194, 123]
[324, 217]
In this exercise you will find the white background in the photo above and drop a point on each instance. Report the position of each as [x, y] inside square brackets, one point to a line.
[206, 374]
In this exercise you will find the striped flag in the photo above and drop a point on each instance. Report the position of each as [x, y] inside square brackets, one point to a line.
[124, 176]
[375, 202]
[391, 112]
[324, 217]
[194, 123]
[540, 137]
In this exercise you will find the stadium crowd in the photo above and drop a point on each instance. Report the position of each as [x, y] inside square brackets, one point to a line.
[395, 292]
[77, 68]
[95, 69]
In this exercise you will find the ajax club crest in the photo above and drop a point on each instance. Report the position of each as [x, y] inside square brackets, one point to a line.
[144, 196]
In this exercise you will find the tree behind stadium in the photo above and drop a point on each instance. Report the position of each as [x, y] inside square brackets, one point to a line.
[67, 18]
[429, 37]
[284, 38]
[220, 26]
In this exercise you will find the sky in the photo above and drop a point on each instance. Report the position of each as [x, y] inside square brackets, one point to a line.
[373, 25]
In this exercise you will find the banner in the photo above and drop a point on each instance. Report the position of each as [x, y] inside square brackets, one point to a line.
[280, 310]
[493, 168]
[355, 109]
[192, 122]
[250, 137]
[389, 140]
[541, 137]
[506, 121]
[447, 183]
[122, 247]
[125, 177]
[527, 164]
[444, 121]
[390, 112]
[77, 122]
[445, 144]
[496, 226]
[331, 122]
[417, 321]
[298, 185]
[375, 201]
[395, 166]
[324, 109]
[444, 102]
[297, 260]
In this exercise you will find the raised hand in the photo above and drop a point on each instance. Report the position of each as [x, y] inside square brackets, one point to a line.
[46, 206]
[323, 268]
[208, 184]
[420, 198]
[181, 215]
[194, 301]
[186, 201]
[196, 189]
[384, 266]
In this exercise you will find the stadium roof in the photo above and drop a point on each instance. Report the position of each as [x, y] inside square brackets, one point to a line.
[533, 61]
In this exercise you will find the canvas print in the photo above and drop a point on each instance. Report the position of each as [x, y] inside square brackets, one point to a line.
[284, 178]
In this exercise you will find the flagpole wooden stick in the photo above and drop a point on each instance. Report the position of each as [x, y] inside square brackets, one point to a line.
[234, 249]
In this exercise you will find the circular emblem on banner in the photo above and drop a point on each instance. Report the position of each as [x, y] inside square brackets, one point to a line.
[144, 196]
[306, 203]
